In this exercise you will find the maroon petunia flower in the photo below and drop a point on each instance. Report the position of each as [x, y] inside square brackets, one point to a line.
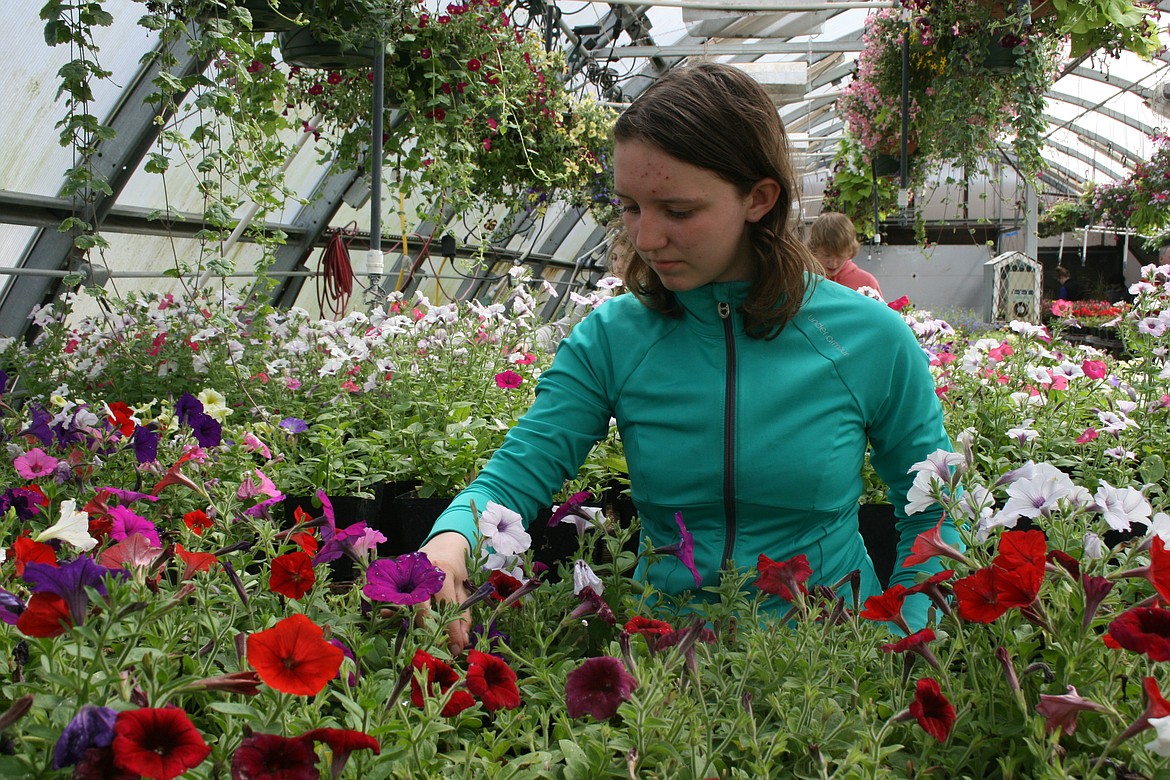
[492, 681]
[157, 742]
[598, 687]
[267, 756]
[932, 710]
[915, 643]
[1143, 630]
[1060, 712]
[341, 743]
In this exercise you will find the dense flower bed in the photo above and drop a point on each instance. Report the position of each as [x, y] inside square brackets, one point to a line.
[165, 617]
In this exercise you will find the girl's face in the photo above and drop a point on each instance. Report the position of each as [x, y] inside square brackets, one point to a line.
[832, 264]
[689, 224]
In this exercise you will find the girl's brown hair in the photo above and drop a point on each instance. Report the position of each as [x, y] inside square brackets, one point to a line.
[715, 116]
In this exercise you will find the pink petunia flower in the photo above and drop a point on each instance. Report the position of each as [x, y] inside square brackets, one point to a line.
[35, 463]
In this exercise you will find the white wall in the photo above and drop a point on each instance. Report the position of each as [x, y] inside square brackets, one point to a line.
[942, 277]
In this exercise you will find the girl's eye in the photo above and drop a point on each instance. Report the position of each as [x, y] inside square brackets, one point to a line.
[629, 208]
[678, 214]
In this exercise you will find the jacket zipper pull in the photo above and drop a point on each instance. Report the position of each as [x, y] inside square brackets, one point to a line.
[724, 310]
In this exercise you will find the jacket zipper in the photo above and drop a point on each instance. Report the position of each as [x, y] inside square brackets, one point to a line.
[729, 434]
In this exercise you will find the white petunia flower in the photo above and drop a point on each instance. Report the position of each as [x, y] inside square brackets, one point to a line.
[1121, 507]
[1160, 744]
[583, 577]
[504, 529]
[73, 528]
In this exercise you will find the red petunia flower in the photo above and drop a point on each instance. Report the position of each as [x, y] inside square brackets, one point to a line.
[293, 656]
[438, 673]
[292, 575]
[1143, 630]
[930, 544]
[932, 710]
[47, 615]
[887, 607]
[648, 627]
[779, 578]
[492, 681]
[1023, 553]
[122, 417]
[1160, 568]
[197, 521]
[158, 743]
[195, 562]
[268, 756]
[25, 551]
[978, 597]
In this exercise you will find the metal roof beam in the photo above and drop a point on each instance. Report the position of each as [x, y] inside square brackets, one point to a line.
[730, 49]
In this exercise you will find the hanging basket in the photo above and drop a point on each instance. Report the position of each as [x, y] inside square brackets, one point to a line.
[302, 48]
[267, 19]
[1000, 59]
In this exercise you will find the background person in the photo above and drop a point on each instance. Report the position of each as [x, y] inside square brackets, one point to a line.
[833, 241]
[745, 389]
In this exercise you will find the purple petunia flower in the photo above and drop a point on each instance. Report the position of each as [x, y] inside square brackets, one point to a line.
[187, 406]
[39, 427]
[405, 580]
[207, 430]
[339, 542]
[294, 425]
[598, 687]
[27, 503]
[92, 727]
[10, 607]
[69, 581]
[145, 444]
[683, 549]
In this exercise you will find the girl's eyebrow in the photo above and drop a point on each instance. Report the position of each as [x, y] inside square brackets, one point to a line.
[679, 201]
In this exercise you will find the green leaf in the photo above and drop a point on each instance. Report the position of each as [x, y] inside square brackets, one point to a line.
[234, 708]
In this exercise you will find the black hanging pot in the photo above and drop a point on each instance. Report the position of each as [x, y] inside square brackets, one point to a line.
[1000, 58]
[301, 47]
[266, 19]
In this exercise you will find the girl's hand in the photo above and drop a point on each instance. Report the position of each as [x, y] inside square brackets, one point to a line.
[449, 552]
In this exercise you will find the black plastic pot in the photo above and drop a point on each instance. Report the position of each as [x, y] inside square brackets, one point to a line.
[878, 529]
[302, 47]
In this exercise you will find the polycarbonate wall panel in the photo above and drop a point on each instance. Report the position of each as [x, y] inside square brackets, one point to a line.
[34, 162]
[137, 262]
[13, 240]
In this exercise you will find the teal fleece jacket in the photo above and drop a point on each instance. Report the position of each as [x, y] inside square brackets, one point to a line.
[759, 443]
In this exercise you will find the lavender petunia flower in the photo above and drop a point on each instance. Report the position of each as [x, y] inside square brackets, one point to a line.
[405, 580]
[92, 727]
[69, 581]
[294, 425]
[598, 687]
[504, 529]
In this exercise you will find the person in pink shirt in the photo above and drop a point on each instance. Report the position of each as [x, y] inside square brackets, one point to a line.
[833, 241]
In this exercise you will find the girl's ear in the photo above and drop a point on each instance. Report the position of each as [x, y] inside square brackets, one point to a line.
[762, 198]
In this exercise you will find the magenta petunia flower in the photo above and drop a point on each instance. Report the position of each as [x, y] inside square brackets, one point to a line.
[598, 687]
[508, 380]
[126, 522]
[683, 549]
[36, 463]
[405, 580]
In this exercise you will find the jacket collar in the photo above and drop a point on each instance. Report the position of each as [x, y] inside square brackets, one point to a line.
[702, 306]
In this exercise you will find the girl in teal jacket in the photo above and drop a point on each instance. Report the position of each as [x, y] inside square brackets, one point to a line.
[746, 389]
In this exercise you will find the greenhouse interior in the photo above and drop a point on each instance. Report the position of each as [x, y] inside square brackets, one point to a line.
[465, 453]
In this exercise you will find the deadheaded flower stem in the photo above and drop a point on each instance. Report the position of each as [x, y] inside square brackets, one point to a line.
[1009, 671]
